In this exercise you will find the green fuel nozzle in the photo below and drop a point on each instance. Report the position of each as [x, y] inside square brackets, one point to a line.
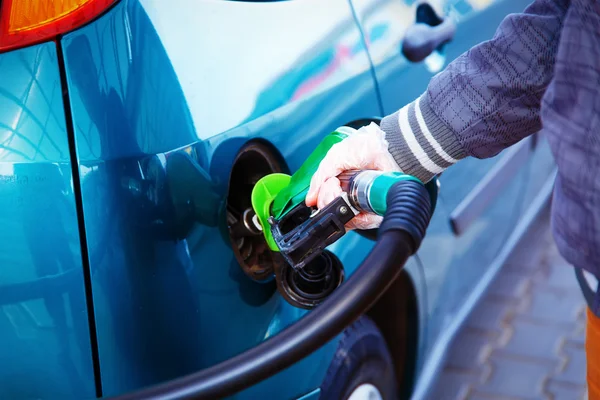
[301, 233]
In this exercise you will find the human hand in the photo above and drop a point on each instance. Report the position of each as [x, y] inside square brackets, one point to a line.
[365, 148]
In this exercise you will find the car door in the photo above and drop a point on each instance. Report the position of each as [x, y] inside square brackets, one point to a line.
[178, 108]
[480, 200]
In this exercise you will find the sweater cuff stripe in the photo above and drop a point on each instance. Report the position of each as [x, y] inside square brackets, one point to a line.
[422, 140]
[440, 132]
[434, 143]
[400, 151]
[414, 145]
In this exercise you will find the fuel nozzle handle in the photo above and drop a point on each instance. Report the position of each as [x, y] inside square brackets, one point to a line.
[301, 234]
[367, 189]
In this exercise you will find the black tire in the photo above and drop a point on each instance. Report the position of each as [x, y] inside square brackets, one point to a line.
[362, 357]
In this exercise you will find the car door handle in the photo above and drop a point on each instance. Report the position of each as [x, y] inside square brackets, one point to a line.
[428, 34]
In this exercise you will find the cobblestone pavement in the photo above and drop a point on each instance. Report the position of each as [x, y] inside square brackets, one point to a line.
[525, 339]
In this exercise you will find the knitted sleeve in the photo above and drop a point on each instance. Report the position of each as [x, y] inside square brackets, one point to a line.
[485, 100]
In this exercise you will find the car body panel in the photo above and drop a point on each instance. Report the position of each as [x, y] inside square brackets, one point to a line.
[454, 264]
[293, 51]
[46, 350]
[167, 307]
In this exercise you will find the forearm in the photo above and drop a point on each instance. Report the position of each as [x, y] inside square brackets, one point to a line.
[484, 101]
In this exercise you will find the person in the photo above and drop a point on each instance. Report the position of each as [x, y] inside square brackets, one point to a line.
[540, 71]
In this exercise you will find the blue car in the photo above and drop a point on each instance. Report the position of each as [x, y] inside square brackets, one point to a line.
[131, 135]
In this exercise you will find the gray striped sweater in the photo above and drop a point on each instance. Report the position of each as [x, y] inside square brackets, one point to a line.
[541, 70]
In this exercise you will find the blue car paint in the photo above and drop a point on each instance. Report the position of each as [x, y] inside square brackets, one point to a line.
[44, 330]
[130, 115]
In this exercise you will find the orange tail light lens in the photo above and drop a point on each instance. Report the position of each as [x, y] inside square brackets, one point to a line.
[26, 22]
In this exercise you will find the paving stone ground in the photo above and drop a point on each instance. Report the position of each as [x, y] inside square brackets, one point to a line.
[525, 339]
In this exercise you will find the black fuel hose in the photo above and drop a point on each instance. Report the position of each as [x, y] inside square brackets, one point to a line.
[400, 235]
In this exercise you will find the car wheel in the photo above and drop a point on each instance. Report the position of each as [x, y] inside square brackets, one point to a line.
[362, 366]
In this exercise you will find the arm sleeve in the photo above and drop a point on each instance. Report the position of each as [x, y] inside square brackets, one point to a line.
[485, 100]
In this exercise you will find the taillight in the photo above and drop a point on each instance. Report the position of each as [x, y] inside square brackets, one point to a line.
[26, 22]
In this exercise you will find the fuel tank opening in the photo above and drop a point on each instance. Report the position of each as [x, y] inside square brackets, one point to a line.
[253, 162]
[308, 287]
